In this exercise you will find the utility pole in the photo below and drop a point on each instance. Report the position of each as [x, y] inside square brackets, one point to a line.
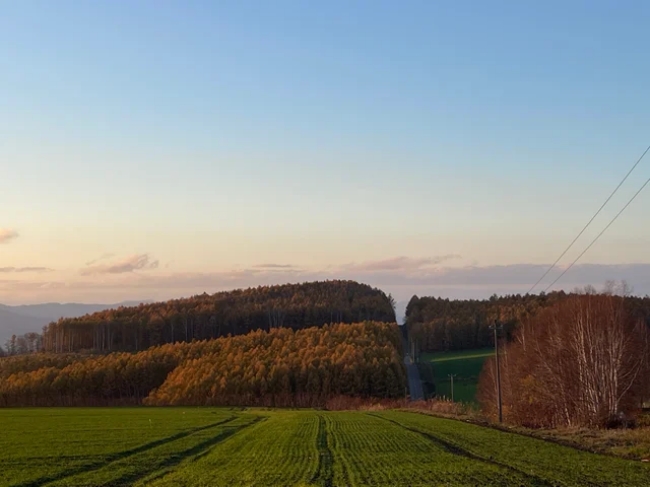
[451, 376]
[496, 353]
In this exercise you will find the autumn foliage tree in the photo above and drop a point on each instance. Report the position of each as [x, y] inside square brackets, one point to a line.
[581, 362]
[206, 316]
[287, 368]
[280, 367]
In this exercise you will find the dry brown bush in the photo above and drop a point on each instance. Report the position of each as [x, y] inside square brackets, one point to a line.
[433, 406]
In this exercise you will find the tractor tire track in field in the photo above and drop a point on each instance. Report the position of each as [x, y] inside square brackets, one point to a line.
[531, 479]
[324, 476]
[196, 452]
[89, 467]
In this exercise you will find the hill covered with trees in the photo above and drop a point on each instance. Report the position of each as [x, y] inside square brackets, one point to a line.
[201, 317]
[281, 367]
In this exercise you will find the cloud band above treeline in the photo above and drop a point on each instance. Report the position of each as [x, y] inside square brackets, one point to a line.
[6, 270]
[139, 276]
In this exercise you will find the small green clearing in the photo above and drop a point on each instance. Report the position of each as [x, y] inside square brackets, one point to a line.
[466, 366]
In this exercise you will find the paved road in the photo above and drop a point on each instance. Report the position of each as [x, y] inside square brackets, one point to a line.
[415, 384]
[416, 392]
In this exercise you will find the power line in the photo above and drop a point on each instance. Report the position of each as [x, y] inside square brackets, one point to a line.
[590, 221]
[600, 234]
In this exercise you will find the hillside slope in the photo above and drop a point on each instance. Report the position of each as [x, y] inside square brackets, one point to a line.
[281, 367]
[206, 316]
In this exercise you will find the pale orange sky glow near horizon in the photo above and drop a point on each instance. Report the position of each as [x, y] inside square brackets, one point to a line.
[152, 153]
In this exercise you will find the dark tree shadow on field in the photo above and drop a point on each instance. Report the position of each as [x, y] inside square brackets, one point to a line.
[197, 451]
[89, 467]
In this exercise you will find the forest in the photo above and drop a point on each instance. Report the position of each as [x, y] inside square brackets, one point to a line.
[205, 316]
[280, 367]
[440, 324]
[568, 359]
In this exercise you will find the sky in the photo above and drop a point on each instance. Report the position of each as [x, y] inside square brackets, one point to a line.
[151, 150]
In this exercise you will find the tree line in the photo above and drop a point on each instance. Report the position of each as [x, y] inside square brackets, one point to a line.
[21, 344]
[437, 324]
[280, 367]
[206, 316]
[584, 361]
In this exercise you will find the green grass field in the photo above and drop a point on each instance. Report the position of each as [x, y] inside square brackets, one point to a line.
[220, 447]
[466, 365]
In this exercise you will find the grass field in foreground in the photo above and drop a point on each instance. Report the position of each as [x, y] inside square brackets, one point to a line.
[220, 447]
[466, 365]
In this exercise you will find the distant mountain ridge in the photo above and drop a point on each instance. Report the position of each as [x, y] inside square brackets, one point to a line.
[18, 320]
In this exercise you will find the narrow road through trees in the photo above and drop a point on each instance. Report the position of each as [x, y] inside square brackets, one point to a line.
[416, 392]
[415, 384]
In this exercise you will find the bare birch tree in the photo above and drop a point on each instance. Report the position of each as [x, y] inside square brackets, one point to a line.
[580, 363]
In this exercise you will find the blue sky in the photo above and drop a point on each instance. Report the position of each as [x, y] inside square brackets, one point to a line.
[179, 146]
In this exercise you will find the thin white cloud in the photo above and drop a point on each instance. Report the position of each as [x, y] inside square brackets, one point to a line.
[400, 264]
[275, 266]
[130, 264]
[99, 259]
[24, 269]
[7, 235]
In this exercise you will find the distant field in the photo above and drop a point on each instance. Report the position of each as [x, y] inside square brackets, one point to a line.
[466, 365]
[220, 447]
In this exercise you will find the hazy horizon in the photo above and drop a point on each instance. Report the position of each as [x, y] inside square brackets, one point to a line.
[460, 283]
[157, 151]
